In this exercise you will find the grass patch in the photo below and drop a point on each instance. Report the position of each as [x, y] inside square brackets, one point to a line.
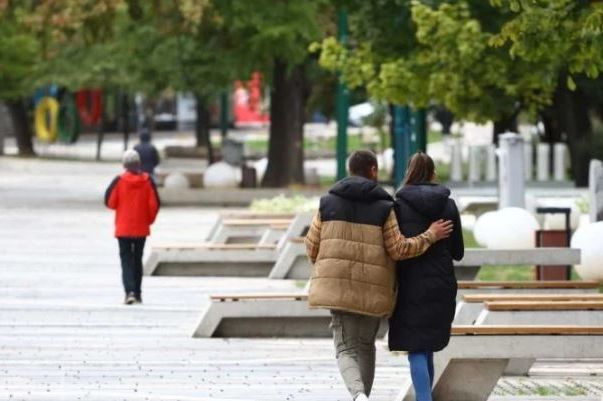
[498, 273]
[355, 142]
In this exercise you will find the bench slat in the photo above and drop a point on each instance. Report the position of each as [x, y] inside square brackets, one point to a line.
[258, 297]
[541, 306]
[475, 298]
[256, 222]
[248, 215]
[527, 330]
[210, 245]
[465, 285]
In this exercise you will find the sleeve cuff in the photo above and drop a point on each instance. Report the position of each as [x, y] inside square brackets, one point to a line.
[431, 236]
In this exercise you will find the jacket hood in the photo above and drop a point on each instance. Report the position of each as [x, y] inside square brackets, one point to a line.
[135, 179]
[426, 198]
[359, 189]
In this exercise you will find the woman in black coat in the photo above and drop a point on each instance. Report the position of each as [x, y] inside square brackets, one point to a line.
[427, 286]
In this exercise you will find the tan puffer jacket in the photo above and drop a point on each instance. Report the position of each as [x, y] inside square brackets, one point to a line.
[353, 272]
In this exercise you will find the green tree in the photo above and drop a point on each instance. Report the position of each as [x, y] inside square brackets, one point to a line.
[483, 61]
[567, 37]
[273, 37]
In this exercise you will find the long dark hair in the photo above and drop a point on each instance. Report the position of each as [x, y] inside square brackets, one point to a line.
[420, 169]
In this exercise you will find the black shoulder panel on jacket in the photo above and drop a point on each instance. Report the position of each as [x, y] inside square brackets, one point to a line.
[110, 189]
[154, 186]
[333, 207]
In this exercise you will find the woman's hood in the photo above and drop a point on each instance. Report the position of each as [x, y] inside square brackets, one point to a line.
[426, 198]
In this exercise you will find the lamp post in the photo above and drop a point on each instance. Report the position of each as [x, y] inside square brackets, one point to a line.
[342, 102]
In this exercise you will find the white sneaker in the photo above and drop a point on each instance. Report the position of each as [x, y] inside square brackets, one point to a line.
[361, 397]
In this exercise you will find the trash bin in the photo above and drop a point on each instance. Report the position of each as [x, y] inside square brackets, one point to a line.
[554, 238]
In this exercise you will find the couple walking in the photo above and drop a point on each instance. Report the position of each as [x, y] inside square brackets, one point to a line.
[354, 242]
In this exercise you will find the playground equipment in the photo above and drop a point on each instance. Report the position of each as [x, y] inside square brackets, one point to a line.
[69, 121]
[90, 105]
[45, 119]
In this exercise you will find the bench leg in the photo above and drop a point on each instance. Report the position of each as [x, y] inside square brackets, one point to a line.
[468, 379]
[466, 273]
[519, 366]
[150, 265]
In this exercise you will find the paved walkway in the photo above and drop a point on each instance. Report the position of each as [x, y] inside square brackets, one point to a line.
[65, 336]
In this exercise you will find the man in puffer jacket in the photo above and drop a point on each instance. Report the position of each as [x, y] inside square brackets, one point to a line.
[353, 243]
[134, 198]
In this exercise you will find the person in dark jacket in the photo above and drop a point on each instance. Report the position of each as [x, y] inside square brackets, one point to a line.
[149, 157]
[134, 198]
[427, 285]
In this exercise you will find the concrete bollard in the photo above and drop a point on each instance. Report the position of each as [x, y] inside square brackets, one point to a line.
[595, 190]
[528, 150]
[511, 178]
[456, 161]
[560, 161]
[490, 163]
[475, 161]
[542, 162]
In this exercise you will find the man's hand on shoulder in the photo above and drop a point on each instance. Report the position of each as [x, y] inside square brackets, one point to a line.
[441, 229]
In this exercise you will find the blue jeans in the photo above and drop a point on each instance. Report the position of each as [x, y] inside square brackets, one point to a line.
[421, 372]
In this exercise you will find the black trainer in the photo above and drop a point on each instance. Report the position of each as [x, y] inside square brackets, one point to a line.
[130, 298]
[138, 298]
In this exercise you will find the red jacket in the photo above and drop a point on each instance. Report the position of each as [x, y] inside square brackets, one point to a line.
[136, 203]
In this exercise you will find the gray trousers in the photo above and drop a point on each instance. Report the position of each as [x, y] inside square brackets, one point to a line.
[354, 337]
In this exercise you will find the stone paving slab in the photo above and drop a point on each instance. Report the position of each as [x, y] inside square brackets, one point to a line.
[65, 336]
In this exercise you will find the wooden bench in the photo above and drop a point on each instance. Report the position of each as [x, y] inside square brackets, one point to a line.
[248, 227]
[287, 313]
[579, 312]
[260, 231]
[535, 309]
[212, 259]
[477, 356]
[266, 315]
[263, 315]
[468, 310]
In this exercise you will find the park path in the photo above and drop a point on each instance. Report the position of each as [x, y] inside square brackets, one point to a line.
[65, 336]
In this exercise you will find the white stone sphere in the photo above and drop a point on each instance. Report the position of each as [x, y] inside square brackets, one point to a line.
[468, 221]
[221, 175]
[588, 240]
[483, 226]
[176, 181]
[512, 228]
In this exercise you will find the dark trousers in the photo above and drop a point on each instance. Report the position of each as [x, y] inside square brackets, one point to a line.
[130, 253]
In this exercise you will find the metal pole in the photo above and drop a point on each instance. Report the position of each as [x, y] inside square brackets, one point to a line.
[342, 102]
[224, 114]
[419, 131]
[401, 128]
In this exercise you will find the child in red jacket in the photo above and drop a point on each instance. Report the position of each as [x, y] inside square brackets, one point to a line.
[134, 198]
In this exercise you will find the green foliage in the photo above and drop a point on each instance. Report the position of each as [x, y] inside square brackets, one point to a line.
[481, 60]
[18, 55]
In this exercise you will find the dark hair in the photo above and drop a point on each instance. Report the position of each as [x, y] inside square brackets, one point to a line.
[420, 169]
[361, 162]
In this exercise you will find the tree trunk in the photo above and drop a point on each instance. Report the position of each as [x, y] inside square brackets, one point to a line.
[125, 118]
[572, 115]
[287, 109]
[552, 132]
[21, 126]
[202, 132]
[505, 124]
